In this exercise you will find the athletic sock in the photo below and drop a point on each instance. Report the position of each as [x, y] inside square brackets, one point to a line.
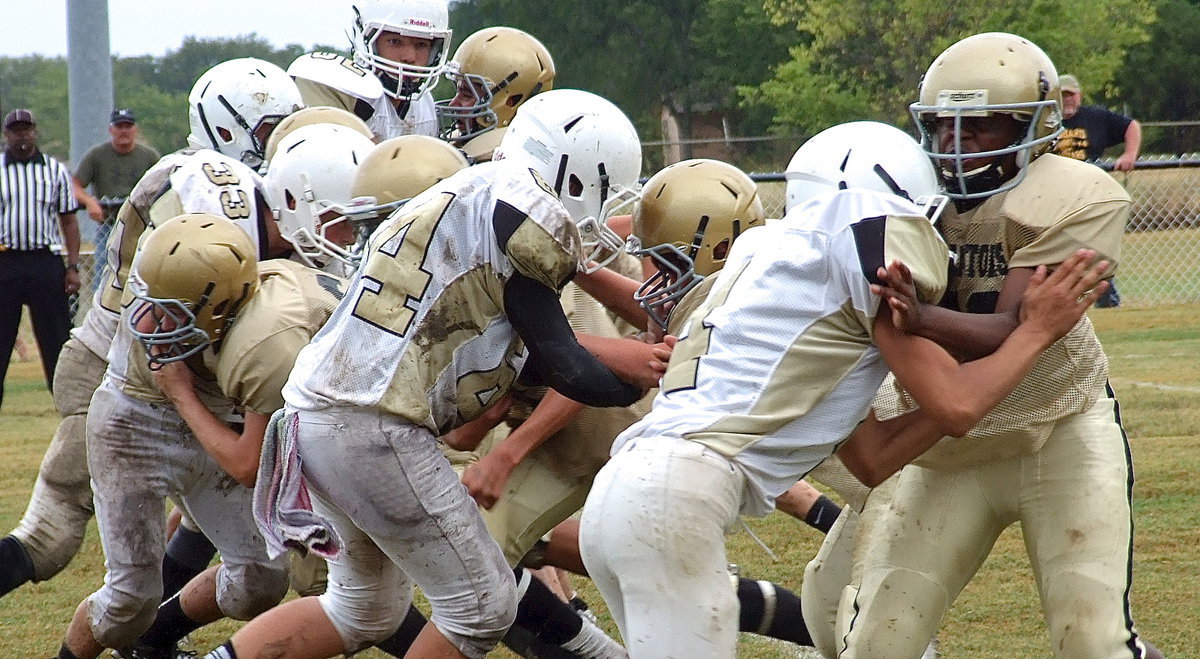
[170, 625]
[823, 514]
[188, 554]
[400, 641]
[556, 622]
[16, 568]
[224, 652]
[65, 653]
[769, 609]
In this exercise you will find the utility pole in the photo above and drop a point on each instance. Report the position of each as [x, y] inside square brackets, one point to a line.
[89, 74]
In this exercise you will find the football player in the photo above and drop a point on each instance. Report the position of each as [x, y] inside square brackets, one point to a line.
[458, 289]
[399, 49]
[989, 109]
[234, 95]
[114, 616]
[494, 71]
[730, 430]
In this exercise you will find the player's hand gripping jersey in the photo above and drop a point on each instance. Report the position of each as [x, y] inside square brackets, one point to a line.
[422, 331]
[751, 375]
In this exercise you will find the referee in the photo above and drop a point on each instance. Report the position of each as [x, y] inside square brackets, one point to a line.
[37, 214]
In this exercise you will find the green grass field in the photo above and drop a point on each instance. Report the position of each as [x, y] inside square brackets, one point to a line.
[1153, 354]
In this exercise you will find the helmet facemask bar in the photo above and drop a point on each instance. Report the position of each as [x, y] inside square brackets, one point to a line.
[461, 123]
[675, 275]
[175, 336]
[602, 245]
[950, 165]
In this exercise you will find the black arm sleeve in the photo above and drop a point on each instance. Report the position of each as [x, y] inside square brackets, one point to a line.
[555, 356]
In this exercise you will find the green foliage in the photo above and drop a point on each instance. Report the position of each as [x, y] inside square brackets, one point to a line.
[689, 54]
[1155, 81]
[864, 58]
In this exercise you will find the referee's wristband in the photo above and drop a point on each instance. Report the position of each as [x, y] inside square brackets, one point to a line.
[73, 266]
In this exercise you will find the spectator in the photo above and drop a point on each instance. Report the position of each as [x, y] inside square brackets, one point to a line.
[37, 216]
[1089, 130]
[112, 168]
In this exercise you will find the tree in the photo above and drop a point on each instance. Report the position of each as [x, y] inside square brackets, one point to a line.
[641, 54]
[863, 59]
[1148, 89]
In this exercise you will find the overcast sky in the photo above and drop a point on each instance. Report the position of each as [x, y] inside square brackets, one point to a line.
[153, 27]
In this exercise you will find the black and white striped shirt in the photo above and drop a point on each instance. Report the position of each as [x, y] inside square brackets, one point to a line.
[32, 195]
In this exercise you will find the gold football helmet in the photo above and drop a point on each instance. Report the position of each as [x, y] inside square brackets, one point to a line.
[315, 115]
[395, 171]
[190, 278]
[981, 75]
[494, 71]
[687, 218]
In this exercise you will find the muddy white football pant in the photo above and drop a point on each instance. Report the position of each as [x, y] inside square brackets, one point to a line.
[1073, 501]
[140, 454]
[61, 502]
[652, 536]
[403, 517]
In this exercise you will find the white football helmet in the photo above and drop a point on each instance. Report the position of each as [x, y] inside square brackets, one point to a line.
[981, 75]
[864, 155]
[190, 278]
[588, 151]
[312, 173]
[422, 19]
[494, 70]
[231, 102]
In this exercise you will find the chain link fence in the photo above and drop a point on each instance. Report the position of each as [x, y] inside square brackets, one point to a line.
[1160, 263]
[1160, 260]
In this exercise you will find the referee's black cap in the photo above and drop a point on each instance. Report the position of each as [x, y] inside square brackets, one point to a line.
[19, 116]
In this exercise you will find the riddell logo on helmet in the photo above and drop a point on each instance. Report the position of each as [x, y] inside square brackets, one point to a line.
[420, 22]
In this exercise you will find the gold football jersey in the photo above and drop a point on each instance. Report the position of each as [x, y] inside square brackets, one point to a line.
[292, 303]
[1061, 206]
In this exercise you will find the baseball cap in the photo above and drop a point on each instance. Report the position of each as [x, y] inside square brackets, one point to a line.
[19, 116]
[1068, 83]
[122, 116]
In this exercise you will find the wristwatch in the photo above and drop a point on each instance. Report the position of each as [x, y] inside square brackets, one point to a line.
[73, 266]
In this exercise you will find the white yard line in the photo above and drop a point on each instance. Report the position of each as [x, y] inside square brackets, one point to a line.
[1155, 385]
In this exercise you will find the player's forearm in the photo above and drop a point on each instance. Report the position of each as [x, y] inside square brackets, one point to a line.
[966, 335]
[961, 394]
[551, 415]
[238, 458]
[877, 449]
[614, 291]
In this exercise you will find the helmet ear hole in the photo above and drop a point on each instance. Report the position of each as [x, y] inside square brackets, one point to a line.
[224, 133]
[289, 199]
[515, 100]
[574, 186]
[721, 250]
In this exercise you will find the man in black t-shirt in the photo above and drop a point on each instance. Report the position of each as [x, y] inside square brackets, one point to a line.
[1087, 132]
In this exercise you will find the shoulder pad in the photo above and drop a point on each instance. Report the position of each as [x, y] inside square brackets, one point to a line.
[337, 72]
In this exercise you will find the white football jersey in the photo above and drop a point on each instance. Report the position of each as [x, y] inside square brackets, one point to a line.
[778, 364]
[329, 79]
[422, 331]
